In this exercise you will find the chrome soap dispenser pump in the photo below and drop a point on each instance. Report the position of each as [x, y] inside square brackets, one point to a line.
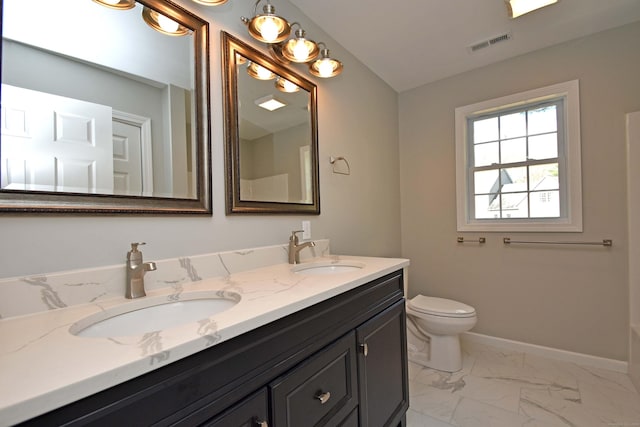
[136, 270]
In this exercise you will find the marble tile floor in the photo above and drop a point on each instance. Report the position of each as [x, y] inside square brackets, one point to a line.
[500, 388]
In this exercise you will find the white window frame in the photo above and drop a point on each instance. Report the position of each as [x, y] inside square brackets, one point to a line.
[570, 194]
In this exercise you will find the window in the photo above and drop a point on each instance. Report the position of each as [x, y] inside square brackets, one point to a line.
[518, 162]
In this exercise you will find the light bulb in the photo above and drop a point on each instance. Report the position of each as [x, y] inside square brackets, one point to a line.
[269, 29]
[325, 68]
[112, 2]
[168, 25]
[300, 51]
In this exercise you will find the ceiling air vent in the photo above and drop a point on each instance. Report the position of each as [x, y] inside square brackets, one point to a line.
[490, 42]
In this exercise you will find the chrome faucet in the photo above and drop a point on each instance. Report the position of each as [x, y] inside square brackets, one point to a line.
[135, 272]
[295, 247]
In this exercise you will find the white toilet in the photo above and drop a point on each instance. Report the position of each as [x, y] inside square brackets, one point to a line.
[433, 329]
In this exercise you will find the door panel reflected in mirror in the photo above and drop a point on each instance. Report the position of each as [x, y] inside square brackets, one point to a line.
[102, 113]
[271, 135]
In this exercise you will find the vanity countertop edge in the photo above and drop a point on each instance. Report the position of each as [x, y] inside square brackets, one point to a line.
[43, 366]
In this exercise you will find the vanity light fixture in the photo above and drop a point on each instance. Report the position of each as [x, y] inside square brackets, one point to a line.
[257, 71]
[267, 27]
[270, 103]
[117, 4]
[274, 31]
[300, 49]
[286, 86]
[517, 8]
[161, 23]
[325, 66]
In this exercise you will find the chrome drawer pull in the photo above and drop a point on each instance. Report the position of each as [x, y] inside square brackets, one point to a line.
[323, 397]
[365, 349]
[260, 423]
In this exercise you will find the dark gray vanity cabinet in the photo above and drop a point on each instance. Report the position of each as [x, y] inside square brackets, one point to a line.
[341, 362]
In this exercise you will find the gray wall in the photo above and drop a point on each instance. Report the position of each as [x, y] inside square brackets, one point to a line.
[569, 298]
[360, 212]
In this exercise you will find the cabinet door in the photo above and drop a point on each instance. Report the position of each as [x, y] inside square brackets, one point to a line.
[382, 368]
[251, 412]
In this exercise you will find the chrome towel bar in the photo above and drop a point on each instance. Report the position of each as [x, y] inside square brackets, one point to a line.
[605, 242]
[479, 240]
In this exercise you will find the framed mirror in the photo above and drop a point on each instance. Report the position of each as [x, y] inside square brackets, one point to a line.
[271, 134]
[105, 108]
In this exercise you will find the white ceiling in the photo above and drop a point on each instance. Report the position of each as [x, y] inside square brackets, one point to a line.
[409, 43]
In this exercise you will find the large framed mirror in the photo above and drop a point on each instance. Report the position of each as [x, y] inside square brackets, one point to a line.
[271, 134]
[105, 108]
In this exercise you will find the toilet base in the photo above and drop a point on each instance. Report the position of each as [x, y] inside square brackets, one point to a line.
[442, 352]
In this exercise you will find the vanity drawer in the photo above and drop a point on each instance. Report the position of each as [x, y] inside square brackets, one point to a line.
[251, 412]
[320, 390]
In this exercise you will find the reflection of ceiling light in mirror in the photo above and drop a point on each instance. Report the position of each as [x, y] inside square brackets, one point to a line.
[117, 4]
[259, 72]
[520, 7]
[285, 85]
[269, 102]
[163, 24]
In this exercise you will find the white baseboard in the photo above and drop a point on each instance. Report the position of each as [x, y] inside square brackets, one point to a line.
[548, 352]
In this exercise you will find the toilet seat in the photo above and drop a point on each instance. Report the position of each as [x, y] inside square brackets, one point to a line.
[440, 307]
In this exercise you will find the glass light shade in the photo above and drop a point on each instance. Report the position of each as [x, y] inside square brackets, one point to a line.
[211, 2]
[326, 66]
[163, 24]
[117, 4]
[257, 71]
[285, 85]
[300, 49]
[269, 28]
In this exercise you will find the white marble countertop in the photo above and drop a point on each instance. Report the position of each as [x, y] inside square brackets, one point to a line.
[43, 366]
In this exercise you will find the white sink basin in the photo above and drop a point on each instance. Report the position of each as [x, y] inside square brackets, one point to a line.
[327, 267]
[151, 314]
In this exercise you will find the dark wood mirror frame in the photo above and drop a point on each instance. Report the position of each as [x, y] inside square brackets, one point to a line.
[20, 201]
[234, 204]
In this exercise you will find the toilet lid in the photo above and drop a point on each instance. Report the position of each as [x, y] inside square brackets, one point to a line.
[440, 307]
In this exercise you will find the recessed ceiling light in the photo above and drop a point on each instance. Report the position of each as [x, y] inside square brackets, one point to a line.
[520, 7]
[270, 103]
